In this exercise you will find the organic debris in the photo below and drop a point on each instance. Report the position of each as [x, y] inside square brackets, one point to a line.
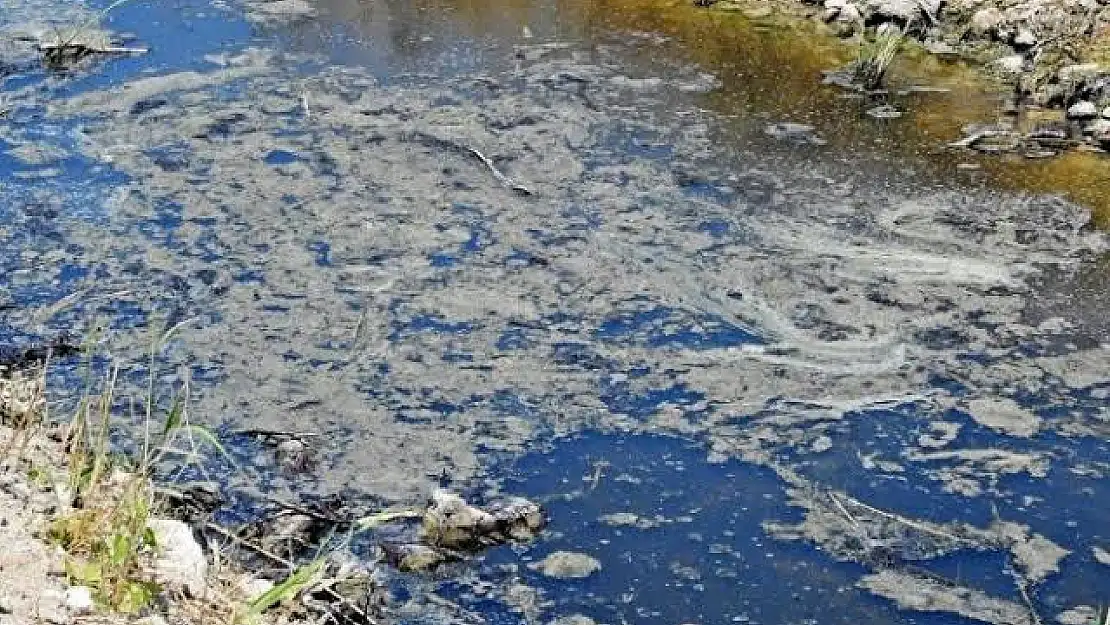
[294, 452]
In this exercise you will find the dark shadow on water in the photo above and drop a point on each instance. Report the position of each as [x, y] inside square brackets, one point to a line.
[695, 551]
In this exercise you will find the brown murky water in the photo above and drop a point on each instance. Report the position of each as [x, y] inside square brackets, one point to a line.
[769, 65]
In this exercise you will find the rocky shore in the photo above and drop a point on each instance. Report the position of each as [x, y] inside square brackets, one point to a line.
[1052, 55]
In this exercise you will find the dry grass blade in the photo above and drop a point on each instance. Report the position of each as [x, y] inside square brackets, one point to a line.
[23, 405]
[925, 529]
[381, 518]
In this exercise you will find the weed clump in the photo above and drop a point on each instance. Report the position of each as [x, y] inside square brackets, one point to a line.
[107, 533]
[870, 67]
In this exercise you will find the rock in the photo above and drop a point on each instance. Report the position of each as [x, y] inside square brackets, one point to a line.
[451, 522]
[849, 14]
[902, 11]
[985, 22]
[518, 518]
[180, 565]
[1079, 72]
[790, 131]
[884, 111]
[153, 619]
[1024, 39]
[415, 558]
[567, 565]
[1106, 113]
[1082, 110]
[1098, 128]
[294, 456]
[940, 48]
[79, 600]
[1012, 64]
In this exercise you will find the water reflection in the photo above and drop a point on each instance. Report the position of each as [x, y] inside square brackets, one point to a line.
[768, 67]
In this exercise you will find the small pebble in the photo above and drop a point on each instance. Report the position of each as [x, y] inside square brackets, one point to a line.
[1025, 39]
[79, 600]
[1082, 110]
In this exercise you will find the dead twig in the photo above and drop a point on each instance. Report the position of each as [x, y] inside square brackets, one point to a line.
[309, 512]
[454, 146]
[925, 529]
[843, 510]
[84, 49]
[502, 178]
[274, 433]
[1021, 584]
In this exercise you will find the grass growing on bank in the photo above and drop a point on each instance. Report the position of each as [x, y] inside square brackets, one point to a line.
[875, 56]
[108, 499]
[106, 534]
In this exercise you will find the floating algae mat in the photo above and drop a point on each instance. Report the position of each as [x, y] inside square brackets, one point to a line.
[443, 248]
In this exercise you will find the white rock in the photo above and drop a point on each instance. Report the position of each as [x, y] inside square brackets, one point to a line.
[181, 564]
[1025, 39]
[849, 13]
[902, 10]
[1106, 112]
[79, 600]
[986, 21]
[1013, 64]
[1082, 110]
